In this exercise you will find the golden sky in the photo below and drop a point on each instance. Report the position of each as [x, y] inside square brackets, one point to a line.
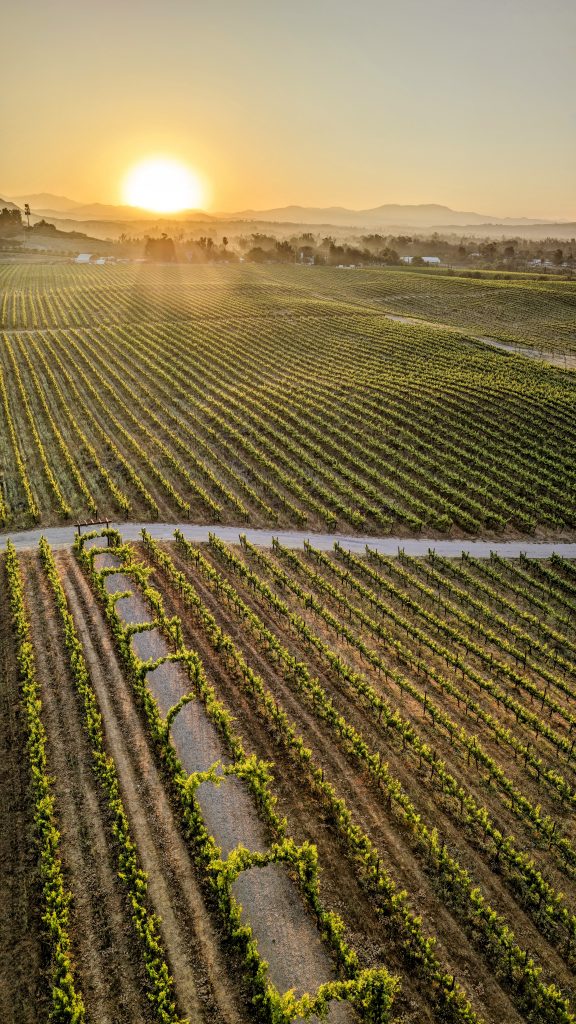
[318, 102]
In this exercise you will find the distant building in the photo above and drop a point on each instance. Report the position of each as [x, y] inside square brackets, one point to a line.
[92, 258]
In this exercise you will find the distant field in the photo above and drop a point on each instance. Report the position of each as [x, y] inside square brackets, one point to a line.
[283, 395]
[522, 310]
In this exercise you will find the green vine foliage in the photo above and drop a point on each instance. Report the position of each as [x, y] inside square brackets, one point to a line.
[514, 963]
[145, 923]
[418, 948]
[371, 990]
[67, 1004]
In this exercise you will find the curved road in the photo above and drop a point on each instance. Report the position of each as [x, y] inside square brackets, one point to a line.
[63, 536]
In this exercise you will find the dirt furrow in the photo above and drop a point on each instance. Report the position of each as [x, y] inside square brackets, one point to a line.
[285, 931]
[454, 755]
[23, 987]
[204, 972]
[105, 949]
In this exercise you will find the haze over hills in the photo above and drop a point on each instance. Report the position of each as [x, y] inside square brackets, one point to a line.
[425, 215]
[7, 204]
[44, 204]
[390, 215]
[107, 221]
[46, 200]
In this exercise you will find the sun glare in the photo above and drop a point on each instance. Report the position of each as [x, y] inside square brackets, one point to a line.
[162, 185]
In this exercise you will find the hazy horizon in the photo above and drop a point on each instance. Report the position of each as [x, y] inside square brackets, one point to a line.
[322, 104]
[23, 195]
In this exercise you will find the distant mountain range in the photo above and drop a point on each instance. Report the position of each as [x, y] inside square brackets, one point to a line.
[44, 204]
[424, 215]
[390, 215]
[45, 200]
[103, 221]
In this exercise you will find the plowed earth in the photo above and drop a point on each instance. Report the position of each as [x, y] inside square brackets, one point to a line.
[21, 954]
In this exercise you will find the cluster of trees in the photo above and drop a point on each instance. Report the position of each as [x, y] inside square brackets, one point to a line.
[10, 222]
[306, 248]
[12, 225]
[506, 253]
[206, 248]
[377, 249]
[43, 227]
[279, 252]
[160, 250]
[171, 250]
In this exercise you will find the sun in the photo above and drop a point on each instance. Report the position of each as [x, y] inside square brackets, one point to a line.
[163, 186]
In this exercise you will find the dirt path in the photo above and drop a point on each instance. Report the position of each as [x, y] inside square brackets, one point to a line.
[200, 966]
[565, 362]
[106, 953]
[63, 537]
[23, 987]
[285, 932]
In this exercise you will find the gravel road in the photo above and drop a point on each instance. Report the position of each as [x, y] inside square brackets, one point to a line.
[63, 536]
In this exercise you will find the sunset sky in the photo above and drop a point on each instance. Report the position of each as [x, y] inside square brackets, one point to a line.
[318, 102]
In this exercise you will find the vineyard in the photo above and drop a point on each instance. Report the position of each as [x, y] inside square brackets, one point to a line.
[246, 785]
[538, 312]
[260, 785]
[283, 396]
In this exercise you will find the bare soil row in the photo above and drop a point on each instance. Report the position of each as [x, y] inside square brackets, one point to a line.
[108, 959]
